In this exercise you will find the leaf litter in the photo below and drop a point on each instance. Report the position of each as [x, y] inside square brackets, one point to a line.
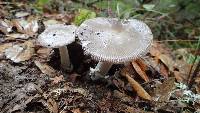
[20, 52]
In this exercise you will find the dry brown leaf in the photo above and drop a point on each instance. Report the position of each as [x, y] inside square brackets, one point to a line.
[46, 69]
[52, 105]
[197, 87]
[163, 70]
[44, 52]
[4, 46]
[140, 71]
[5, 26]
[158, 66]
[31, 28]
[51, 22]
[23, 26]
[162, 91]
[20, 52]
[57, 79]
[142, 64]
[21, 14]
[18, 26]
[77, 110]
[154, 51]
[167, 60]
[178, 76]
[16, 36]
[118, 83]
[136, 86]
[81, 91]
[183, 68]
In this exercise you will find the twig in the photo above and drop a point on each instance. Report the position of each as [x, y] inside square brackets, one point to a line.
[191, 77]
[190, 83]
[177, 41]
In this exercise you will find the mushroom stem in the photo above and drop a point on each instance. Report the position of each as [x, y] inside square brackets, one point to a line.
[103, 67]
[64, 57]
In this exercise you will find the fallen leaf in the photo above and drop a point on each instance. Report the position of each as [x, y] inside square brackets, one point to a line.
[17, 36]
[19, 25]
[154, 51]
[51, 22]
[158, 66]
[31, 28]
[135, 85]
[52, 105]
[118, 83]
[21, 14]
[46, 69]
[140, 71]
[57, 79]
[44, 52]
[4, 46]
[182, 68]
[167, 60]
[178, 76]
[163, 90]
[25, 27]
[5, 26]
[142, 64]
[77, 110]
[20, 52]
[161, 93]
[81, 91]
[163, 70]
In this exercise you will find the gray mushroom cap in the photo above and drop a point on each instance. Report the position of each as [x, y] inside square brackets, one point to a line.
[113, 40]
[57, 35]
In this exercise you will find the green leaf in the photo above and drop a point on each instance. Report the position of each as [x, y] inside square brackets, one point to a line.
[83, 15]
[42, 2]
[191, 59]
[167, 6]
[148, 6]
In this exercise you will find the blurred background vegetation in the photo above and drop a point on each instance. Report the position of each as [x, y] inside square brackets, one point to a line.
[173, 22]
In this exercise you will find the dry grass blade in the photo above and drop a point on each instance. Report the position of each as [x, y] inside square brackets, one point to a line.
[140, 71]
[135, 85]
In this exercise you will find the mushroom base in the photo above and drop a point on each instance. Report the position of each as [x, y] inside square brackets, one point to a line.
[100, 70]
[64, 57]
[103, 67]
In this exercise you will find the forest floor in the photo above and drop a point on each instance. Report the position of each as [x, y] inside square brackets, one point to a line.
[31, 80]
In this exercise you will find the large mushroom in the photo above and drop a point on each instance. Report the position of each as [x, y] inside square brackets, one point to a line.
[113, 41]
[59, 36]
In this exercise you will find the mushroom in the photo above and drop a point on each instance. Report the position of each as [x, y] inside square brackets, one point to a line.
[113, 41]
[59, 36]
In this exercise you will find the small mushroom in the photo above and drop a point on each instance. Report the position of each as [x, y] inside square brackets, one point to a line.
[113, 41]
[59, 36]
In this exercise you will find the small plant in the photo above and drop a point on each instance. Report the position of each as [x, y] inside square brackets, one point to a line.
[83, 14]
